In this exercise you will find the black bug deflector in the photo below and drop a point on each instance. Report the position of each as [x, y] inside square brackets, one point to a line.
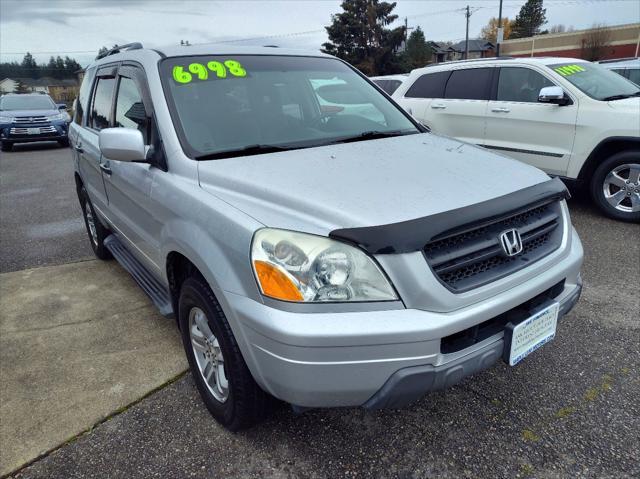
[410, 236]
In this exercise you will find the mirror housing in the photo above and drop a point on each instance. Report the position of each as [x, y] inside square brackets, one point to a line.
[122, 144]
[62, 106]
[553, 94]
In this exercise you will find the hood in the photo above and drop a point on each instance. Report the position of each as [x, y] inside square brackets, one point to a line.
[629, 104]
[367, 183]
[21, 113]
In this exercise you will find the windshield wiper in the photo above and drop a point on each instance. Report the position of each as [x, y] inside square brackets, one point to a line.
[245, 151]
[620, 97]
[374, 135]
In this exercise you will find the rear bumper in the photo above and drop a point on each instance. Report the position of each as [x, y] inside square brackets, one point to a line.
[366, 358]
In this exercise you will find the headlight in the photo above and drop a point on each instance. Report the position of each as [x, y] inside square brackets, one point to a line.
[307, 268]
[6, 119]
[57, 116]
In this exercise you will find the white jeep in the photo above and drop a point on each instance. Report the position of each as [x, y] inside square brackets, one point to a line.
[571, 118]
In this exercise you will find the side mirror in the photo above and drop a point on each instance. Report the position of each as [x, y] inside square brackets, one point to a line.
[62, 106]
[552, 94]
[122, 144]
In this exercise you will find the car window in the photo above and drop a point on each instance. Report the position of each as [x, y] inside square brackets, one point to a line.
[430, 85]
[130, 112]
[469, 84]
[227, 104]
[595, 80]
[634, 75]
[101, 106]
[388, 86]
[520, 84]
[27, 102]
[83, 96]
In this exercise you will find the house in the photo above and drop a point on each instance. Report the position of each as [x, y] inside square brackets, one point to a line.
[478, 48]
[61, 90]
[616, 42]
[440, 53]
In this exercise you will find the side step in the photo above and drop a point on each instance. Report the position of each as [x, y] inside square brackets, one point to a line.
[158, 292]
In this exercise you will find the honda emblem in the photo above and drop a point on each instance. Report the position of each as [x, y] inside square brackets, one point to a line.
[511, 242]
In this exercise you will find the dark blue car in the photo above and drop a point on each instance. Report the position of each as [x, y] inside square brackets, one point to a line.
[25, 118]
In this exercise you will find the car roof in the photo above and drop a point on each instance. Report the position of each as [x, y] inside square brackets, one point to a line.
[400, 76]
[621, 62]
[497, 60]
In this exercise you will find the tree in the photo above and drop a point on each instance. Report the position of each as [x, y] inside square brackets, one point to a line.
[595, 42]
[21, 88]
[528, 22]
[490, 31]
[102, 51]
[29, 66]
[417, 52]
[359, 35]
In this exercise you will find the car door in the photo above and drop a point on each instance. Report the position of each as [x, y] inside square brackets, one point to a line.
[128, 184]
[461, 112]
[421, 93]
[541, 134]
[85, 143]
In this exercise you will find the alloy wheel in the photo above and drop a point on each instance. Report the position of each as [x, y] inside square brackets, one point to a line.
[621, 188]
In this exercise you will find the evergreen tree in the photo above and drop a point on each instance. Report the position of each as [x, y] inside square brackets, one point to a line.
[359, 35]
[417, 51]
[528, 22]
[29, 67]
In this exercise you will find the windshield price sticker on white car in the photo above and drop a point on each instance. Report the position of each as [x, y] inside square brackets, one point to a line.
[207, 71]
[533, 333]
[567, 70]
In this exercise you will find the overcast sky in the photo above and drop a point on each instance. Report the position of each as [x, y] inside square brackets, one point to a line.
[78, 28]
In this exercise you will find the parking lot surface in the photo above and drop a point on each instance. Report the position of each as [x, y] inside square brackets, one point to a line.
[569, 410]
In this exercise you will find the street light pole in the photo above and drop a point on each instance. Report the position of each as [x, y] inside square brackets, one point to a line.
[498, 36]
[466, 38]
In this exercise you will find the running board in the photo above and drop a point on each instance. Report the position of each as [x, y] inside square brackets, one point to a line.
[156, 291]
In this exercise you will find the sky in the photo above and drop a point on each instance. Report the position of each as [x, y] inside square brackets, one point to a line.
[78, 28]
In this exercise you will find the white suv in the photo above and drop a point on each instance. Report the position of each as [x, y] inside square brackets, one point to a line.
[571, 118]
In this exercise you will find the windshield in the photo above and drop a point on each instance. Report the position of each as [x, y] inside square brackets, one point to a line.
[596, 81]
[27, 102]
[257, 104]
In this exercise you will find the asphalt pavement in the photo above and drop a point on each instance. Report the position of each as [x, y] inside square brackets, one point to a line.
[569, 410]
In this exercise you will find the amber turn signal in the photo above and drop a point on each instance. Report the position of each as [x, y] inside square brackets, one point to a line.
[275, 283]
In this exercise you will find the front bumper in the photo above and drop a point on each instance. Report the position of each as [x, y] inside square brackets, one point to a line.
[19, 133]
[383, 358]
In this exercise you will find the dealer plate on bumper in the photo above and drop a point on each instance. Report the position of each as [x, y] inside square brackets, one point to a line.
[525, 337]
[33, 131]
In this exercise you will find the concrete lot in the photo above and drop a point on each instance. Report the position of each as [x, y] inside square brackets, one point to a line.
[570, 410]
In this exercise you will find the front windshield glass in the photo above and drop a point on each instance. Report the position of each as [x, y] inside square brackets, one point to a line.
[596, 81]
[26, 102]
[239, 102]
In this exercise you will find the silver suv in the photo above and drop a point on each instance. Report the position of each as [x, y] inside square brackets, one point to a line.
[313, 251]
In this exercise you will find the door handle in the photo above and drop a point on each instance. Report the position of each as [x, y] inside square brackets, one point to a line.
[105, 169]
[501, 110]
[78, 148]
[438, 106]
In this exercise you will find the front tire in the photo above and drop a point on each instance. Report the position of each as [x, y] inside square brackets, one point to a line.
[95, 229]
[221, 375]
[615, 186]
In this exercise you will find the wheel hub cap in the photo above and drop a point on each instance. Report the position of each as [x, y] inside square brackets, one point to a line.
[621, 188]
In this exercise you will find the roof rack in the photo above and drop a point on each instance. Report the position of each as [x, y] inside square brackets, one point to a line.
[470, 60]
[120, 48]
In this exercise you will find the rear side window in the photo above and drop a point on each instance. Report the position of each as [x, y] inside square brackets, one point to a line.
[101, 106]
[469, 84]
[634, 75]
[388, 86]
[83, 96]
[430, 85]
[521, 85]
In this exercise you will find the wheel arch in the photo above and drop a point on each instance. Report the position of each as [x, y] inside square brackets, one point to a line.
[605, 149]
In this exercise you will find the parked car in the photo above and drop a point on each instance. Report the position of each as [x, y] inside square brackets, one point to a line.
[25, 118]
[322, 258]
[626, 67]
[571, 118]
[389, 83]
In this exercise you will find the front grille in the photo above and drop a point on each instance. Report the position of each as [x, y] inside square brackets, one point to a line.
[32, 120]
[474, 255]
[25, 131]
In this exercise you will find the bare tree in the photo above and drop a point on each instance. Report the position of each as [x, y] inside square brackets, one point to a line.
[595, 42]
[557, 28]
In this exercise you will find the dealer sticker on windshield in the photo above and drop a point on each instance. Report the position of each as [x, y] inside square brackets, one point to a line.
[214, 69]
[567, 70]
[532, 333]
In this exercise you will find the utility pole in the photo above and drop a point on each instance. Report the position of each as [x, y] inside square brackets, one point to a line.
[406, 31]
[466, 38]
[500, 33]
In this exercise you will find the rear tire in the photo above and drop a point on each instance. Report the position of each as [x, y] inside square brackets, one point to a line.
[95, 229]
[615, 186]
[230, 393]
[6, 146]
